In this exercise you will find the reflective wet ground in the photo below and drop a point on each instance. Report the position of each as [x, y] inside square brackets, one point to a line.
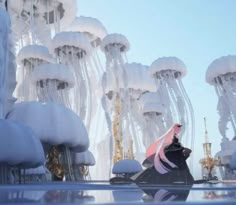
[104, 193]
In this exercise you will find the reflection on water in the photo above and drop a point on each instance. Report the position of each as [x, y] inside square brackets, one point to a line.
[105, 193]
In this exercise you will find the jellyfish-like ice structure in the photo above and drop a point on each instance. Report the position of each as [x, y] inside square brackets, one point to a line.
[36, 18]
[139, 82]
[94, 30]
[115, 46]
[58, 128]
[91, 27]
[152, 111]
[52, 83]
[169, 71]
[28, 58]
[221, 73]
[74, 50]
[81, 163]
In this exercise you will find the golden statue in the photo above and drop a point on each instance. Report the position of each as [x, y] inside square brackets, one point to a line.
[53, 163]
[208, 162]
[117, 145]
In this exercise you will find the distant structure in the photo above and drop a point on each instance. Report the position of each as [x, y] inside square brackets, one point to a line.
[208, 162]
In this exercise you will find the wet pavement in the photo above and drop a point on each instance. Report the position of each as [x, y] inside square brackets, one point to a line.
[104, 193]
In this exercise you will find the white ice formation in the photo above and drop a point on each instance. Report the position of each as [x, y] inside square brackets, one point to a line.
[168, 72]
[53, 124]
[91, 27]
[20, 146]
[221, 73]
[85, 158]
[128, 166]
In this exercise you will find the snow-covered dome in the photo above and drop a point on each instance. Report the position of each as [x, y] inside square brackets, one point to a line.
[138, 79]
[91, 27]
[19, 145]
[52, 123]
[53, 72]
[150, 103]
[126, 166]
[115, 39]
[34, 52]
[221, 66]
[168, 63]
[85, 158]
[74, 39]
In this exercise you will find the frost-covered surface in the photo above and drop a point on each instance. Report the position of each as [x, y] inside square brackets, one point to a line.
[19, 145]
[168, 63]
[7, 63]
[71, 39]
[126, 166]
[65, 9]
[4, 31]
[85, 158]
[35, 171]
[233, 161]
[149, 102]
[88, 25]
[221, 66]
[115, 39]
[53, 72]
[36, 52]
[52, 123]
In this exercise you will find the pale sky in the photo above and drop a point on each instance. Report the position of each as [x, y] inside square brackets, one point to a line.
[196, 31]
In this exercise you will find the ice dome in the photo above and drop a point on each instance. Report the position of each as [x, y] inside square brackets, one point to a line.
[126, 166]
[34, 52]
[19, 145]
[71, 39]
[150, 103]
[52, 123]
[221, 66]
[115, 39]
[53, 72]
[168, 63]
[85, 158]
[91, 27]
[138, 79]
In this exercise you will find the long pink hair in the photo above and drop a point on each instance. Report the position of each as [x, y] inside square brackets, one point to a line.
[164, 139]
[157, 147]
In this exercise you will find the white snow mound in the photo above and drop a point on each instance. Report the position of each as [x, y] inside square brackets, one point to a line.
[19, 145]
[52, 123]
[126, 166]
